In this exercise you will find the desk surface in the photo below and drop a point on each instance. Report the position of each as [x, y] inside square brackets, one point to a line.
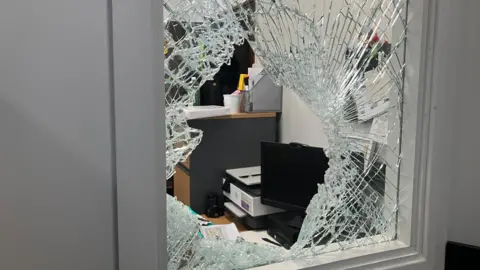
[244, 115]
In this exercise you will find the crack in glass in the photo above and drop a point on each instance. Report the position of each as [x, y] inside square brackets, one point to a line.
[345, 60]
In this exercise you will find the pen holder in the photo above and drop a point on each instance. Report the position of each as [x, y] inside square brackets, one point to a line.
[247, 104]
[264, 96]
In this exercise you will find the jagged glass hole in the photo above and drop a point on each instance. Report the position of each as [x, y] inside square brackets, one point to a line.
[344, 59]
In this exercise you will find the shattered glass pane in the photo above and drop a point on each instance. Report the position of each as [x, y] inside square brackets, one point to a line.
[199, 39]
[345, 60]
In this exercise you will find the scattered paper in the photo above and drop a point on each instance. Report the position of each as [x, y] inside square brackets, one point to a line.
[220, 232]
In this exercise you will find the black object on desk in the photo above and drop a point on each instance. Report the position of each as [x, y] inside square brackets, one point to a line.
[291, 174]
[290, 177]
[271, 242]
[213, 210]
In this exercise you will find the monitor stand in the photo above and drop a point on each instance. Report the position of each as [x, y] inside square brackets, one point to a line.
[285, 227]
[297, 221]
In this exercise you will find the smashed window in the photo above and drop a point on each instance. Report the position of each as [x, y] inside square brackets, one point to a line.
[345, 59]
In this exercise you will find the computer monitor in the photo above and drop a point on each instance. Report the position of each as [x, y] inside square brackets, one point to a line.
[290, 174]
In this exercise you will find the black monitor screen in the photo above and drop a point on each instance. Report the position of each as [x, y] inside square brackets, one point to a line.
[291, 174]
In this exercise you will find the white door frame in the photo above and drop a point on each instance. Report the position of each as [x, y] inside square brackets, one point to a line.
[139, 132]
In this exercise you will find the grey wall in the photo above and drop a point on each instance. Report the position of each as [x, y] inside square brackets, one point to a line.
[458, 58]
[56, 196]
[75, 116]
[140, 133]
[57, 167]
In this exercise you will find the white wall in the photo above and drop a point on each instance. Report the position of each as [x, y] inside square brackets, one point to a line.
[298, 122]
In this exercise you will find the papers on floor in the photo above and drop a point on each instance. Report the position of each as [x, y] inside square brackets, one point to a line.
[196, 112]
[220, 232]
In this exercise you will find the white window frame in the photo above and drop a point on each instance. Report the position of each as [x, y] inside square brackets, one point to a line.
[138, 69]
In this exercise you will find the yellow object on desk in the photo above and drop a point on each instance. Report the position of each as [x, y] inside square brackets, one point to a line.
[165, 47]
[241, 82]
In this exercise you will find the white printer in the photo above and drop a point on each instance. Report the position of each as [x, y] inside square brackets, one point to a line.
[242, 189]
